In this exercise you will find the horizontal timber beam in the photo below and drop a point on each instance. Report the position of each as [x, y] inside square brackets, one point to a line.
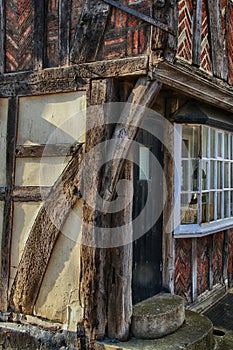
[58, 150]
[190, 81]
[72, 78]
[30, 193]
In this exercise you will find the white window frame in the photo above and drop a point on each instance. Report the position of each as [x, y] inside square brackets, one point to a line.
[201, 229]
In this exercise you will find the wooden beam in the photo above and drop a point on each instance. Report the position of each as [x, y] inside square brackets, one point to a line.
[211, 258]
[2, 193]
[225, 257]
[197, 31]
[30, 193]
[39, 33]
[64, 31]
[8, 209]
[89, 31]
[58, 150]
[2, 36]
[72, 78]
[43, 236]
[190, 82]
[218, 40]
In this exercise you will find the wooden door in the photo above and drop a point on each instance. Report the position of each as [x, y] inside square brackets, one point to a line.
[148, 190]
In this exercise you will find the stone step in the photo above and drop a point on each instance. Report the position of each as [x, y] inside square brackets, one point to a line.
[157, 316]
[195, 334]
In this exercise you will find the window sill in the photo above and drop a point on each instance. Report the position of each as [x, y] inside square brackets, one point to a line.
[198, 231]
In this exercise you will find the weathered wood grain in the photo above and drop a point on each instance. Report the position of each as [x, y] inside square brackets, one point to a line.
[8, 209]
[70, 78]
[64, 31]
[2, 36]
[39, 34]
[43, 236]
[218, 40]
[89, 31]
[30, 193]
[37, 151]
[197, 28]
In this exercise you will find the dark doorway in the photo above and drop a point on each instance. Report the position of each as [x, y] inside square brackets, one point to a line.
[148, 196]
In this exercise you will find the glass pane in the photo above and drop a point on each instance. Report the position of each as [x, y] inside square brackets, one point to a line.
[226, 146]
[231, 147]
[219, 175]
[189, 181]
[231, 176]
[211, 206]
[205, 174]
[144, 157]
[205, 141]
[219, 205]
[189, 208]
[226, 175]
[226, 204]
[205, 207]
[212, 143]
[220, 144]
[212, 174]
[190, 136]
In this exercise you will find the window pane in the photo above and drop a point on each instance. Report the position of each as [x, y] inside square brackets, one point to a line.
[219, 205]
[231, 147]
[226, 146]
[212, 143]
[226, 175]
[205, 174]
[144, 158]
[190, 137]
[226, 204]
[231, 175]
[212, 174]
[231, 209]
[211, 206]
[220, 144]
[189, 181]
[205, 141]
[189, 208]
[219, 176]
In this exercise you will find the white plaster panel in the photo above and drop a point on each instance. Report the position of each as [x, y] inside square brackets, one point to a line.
[3, 131]
[39, 171]
[24, 216]
[58, 299]
[52, 119]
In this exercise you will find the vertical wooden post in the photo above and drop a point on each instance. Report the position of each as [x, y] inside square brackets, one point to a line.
[225, 257]
[64, 31]
[210, 253]
[194, 269]
[8, 210]
[39, 34]
[2, 36]
[197, 30]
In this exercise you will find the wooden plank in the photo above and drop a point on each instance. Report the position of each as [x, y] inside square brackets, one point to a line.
[218, 40]
[8, 209]
[30, 193]
[141, 16]
[70, 78]
[2, 36]
[211, 272]
[58, 150]
[43, 236]
[197, 31]
[89, 31]
[194, 269]
[225, 257]
[64, 31]
[39, 33]
[190, 82]
[2, 193]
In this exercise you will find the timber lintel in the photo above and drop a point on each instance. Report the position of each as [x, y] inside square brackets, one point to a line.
[191, 81]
